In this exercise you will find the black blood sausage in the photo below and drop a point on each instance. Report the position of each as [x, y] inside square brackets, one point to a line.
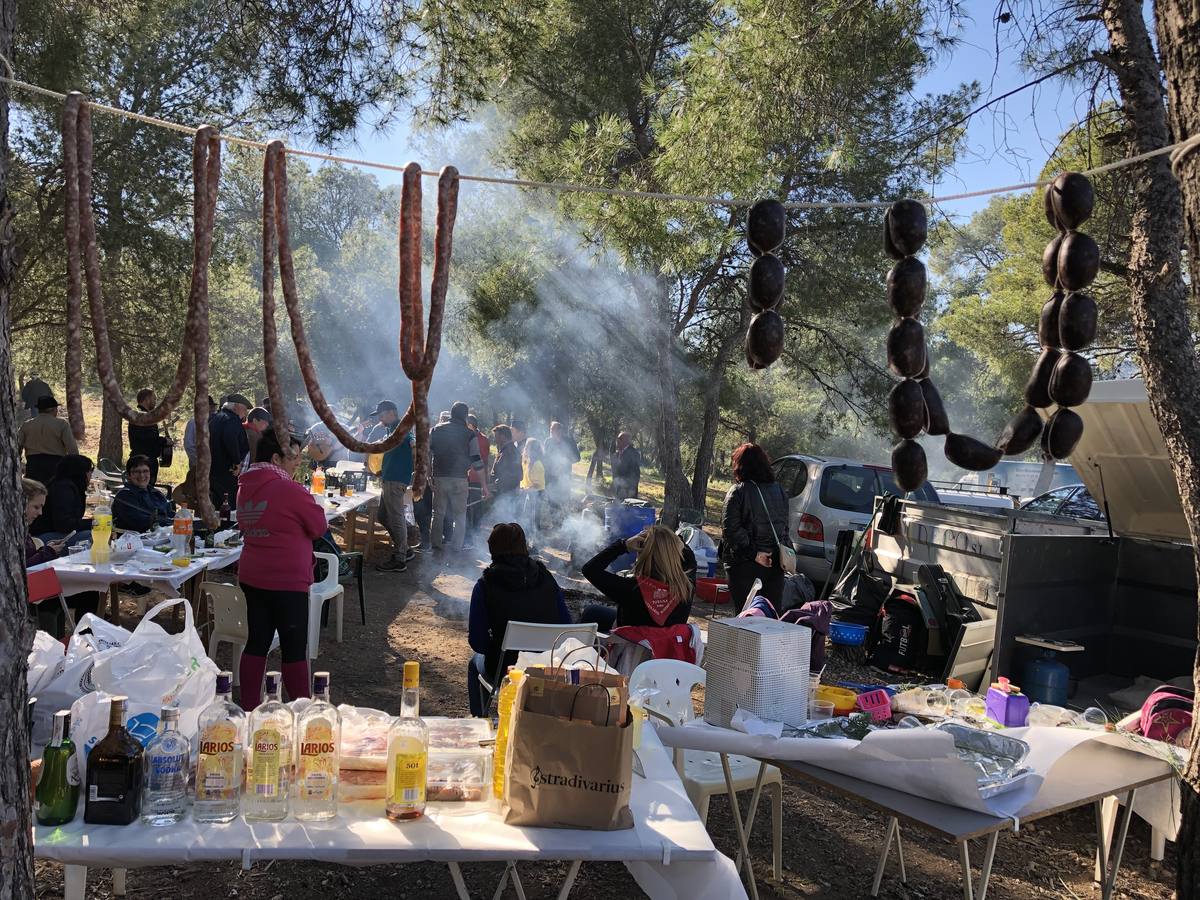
[766, 225]
[1072, 197]
[764, 340]
[968, 453]
[909, 466]
[1048, 326]
[936, 422]
[906, 286]
[1071, 380]
[906, 348]
[1078, 261]
[1037, 391]
[1021, 433]
[766, 282]
[1062, 433]
[908, 226]
[906, 408]
[1077, 322]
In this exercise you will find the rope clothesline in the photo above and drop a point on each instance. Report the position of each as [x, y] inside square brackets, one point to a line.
[1178, 151]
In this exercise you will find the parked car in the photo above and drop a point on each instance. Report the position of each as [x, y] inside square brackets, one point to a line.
[1019, 479]
[1074, 500]
[828, 495]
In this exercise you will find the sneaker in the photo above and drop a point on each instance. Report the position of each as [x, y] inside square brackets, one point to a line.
[408, 557]
[392, 565]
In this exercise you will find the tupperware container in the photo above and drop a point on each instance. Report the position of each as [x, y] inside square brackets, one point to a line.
[459, 770]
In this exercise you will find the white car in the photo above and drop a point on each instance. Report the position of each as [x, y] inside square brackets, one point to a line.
[828, 495]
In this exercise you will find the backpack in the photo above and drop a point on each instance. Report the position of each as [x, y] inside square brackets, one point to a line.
[1167, 714]
[899, 636]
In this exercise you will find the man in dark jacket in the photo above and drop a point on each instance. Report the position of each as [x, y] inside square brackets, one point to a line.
[144, 440]
[138, 506]
[229, 445]
[506, 473]
[515, 588]
[626, 468]
[453, 453]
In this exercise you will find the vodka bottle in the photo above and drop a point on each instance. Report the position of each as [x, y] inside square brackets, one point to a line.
[114, 773]
[408, 752]
[318, 737]
[58, 789]
[269, 773]
[222, 757]
[168, 760]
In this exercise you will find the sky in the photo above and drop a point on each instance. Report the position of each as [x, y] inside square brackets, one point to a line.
[1006, 144]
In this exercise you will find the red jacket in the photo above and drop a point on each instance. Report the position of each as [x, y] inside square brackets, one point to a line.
[670, 642]
[279, 520]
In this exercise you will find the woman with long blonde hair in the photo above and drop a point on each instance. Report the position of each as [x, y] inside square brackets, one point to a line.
[659, 592]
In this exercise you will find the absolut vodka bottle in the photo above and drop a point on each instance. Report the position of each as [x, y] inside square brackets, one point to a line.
[168, 759]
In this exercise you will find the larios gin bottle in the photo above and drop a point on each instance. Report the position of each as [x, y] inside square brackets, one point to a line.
[318, 737]
[168, 760]
[114, 773]
[270, 768]
[408, 752]
[222, 757]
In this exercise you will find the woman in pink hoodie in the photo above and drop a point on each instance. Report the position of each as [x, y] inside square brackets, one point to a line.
[279, 520]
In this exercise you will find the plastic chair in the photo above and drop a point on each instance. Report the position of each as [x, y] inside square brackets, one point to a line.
[44, 585]
[227, 605]
[701, 771]
[327, 589]
[534, 637]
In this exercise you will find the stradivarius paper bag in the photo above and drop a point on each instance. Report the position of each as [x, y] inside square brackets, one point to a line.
[567, 773]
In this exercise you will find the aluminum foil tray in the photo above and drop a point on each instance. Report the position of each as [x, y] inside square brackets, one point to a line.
[997, 758]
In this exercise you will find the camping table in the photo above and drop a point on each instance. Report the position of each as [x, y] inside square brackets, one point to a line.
[351, 508]
[1103, 772]
[668, 850]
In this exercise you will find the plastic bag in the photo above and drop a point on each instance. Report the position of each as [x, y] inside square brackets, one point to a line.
[568, 654]
[152, 668]
[125, 546]
[44, 657]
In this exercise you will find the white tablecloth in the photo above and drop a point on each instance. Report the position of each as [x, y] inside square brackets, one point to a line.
[78, 573]
[667, 850]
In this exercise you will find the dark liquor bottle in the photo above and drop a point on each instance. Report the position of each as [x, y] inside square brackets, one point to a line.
[114, 774]
[225, 512]
[58, 789]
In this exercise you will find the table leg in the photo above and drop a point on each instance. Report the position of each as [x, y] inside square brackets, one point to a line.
[372, 518]
[1158, 845]
[74, 882]
[1119, 850]
[118, 882]
[988, 856]
[964, 854]
[114, 604]
[1101, 867]
[572, 874]
[350, 530]
[749, 826]
[737, 826]
[892, 827]
[900, 855]
[460, 886]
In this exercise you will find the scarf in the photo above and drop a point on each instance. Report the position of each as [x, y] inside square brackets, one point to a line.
[657, 597]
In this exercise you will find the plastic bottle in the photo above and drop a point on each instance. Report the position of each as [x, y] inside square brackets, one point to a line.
[508, 693]
[181, 538]
[102, 523]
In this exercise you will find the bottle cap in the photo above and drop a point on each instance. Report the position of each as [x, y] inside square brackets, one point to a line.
[169, 713]
[117, 705]
[65, 715]
[273, 680]
[320, 682]
[225, 683]
[516, 674]
[412, 674]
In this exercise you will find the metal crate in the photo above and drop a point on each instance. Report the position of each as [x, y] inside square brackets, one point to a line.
[759, 665]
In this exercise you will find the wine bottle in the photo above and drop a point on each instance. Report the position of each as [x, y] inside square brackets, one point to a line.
[114, 773]
[58, 789]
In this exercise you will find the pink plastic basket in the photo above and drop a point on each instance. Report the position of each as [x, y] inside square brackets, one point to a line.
[877, 703]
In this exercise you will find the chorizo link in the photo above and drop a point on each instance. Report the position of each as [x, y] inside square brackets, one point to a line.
[412, 316]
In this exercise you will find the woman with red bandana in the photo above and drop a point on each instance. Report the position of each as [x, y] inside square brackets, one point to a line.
[658, 593]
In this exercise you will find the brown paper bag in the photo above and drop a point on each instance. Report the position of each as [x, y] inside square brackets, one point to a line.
[567, 773]
[601, 698]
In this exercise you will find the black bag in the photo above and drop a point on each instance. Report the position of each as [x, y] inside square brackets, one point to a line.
[898, 639]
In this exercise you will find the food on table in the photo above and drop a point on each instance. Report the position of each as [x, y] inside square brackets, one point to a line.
[360, 784]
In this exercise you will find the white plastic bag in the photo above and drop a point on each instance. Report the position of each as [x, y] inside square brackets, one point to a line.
[44, 657]
[570, 653]
[152, 668]
[71, 677]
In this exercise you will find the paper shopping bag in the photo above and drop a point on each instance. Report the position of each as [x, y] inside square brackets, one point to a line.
[567, 773]
[556, 692]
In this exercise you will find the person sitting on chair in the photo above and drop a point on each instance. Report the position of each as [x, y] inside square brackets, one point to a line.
[138, 506]
[659, 592]
[49, 618]
[515, 588]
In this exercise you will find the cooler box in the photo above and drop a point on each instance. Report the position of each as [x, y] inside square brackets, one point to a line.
[759, 665]
[624, 519]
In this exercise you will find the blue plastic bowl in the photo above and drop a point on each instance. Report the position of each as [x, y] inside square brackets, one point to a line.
[847, 634]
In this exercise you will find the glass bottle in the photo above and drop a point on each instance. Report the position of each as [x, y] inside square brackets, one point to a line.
[114, 773]
[508, 694]
[58, 790]
[225, 512]
[221, 760]
[168, 760]
[408, 752]
[270, 767]
[318, 737]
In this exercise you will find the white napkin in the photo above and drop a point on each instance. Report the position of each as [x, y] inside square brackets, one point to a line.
[748, 723]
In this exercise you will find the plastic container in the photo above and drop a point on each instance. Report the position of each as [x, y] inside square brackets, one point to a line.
[459, 769]
[847, 635]
[504, 710]
[877, 703]
[1006, 704]
[624, 520]
[102, 524]
[1046, 679]
[318, 482]
[821, 710]
[843, 699]
[708, 590]
[759, 665]
[181, 538]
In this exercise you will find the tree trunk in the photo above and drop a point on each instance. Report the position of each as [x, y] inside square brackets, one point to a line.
[1158, 295]
[676, 490]
[702, 471]
[16, 632]
[112, 428]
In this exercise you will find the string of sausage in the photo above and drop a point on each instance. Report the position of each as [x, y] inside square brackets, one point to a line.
[418, 351]
[81, 242]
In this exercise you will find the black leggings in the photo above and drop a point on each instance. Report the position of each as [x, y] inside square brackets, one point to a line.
[282, 611]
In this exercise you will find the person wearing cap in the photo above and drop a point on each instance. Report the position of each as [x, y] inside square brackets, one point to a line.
[453, 452]
[228, 445]
[189, 432]
[144, 440]
[46, 439]
[258, 420]
[395, 478]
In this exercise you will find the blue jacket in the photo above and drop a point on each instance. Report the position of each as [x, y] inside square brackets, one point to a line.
[139, 509]
[397, 462]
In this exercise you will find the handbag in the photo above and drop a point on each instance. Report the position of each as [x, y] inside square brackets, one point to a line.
[787, 556]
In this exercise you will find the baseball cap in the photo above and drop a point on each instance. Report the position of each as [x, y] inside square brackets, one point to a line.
[46, 403]
[385, 406]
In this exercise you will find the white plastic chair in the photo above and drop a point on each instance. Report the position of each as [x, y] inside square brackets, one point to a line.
[535, 637]
[325, 589]
[227, 605]
[701, 771]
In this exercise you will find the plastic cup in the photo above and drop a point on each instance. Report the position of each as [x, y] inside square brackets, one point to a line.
[821, 709]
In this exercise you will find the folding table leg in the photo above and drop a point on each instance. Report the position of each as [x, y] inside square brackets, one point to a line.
[572, 874]
[737, 826]
[1110, 881]
[74, 882]
[749, 826]
[118, 882]
[460, 886]
[985, 873]
[510, 871]
[892, 827]
[900, 854]
[964, 854]
[1158, 845]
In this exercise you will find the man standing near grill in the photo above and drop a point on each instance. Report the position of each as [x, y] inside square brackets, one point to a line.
[477, 487]
[626, 468]
[229, 445]
[396, 476]
[46, 439]
[560, 454]
[453, 453]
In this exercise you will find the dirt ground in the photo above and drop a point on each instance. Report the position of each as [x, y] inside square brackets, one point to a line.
[829, 843]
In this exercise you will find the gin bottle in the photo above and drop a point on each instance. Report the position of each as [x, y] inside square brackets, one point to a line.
[168, 759]
[318, 737]
[58, 790]
[221, 759]
[408, 752]
[114, 773]
[270, 768]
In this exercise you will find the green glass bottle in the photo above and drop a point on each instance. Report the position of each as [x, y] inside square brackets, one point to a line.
[58, 789]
